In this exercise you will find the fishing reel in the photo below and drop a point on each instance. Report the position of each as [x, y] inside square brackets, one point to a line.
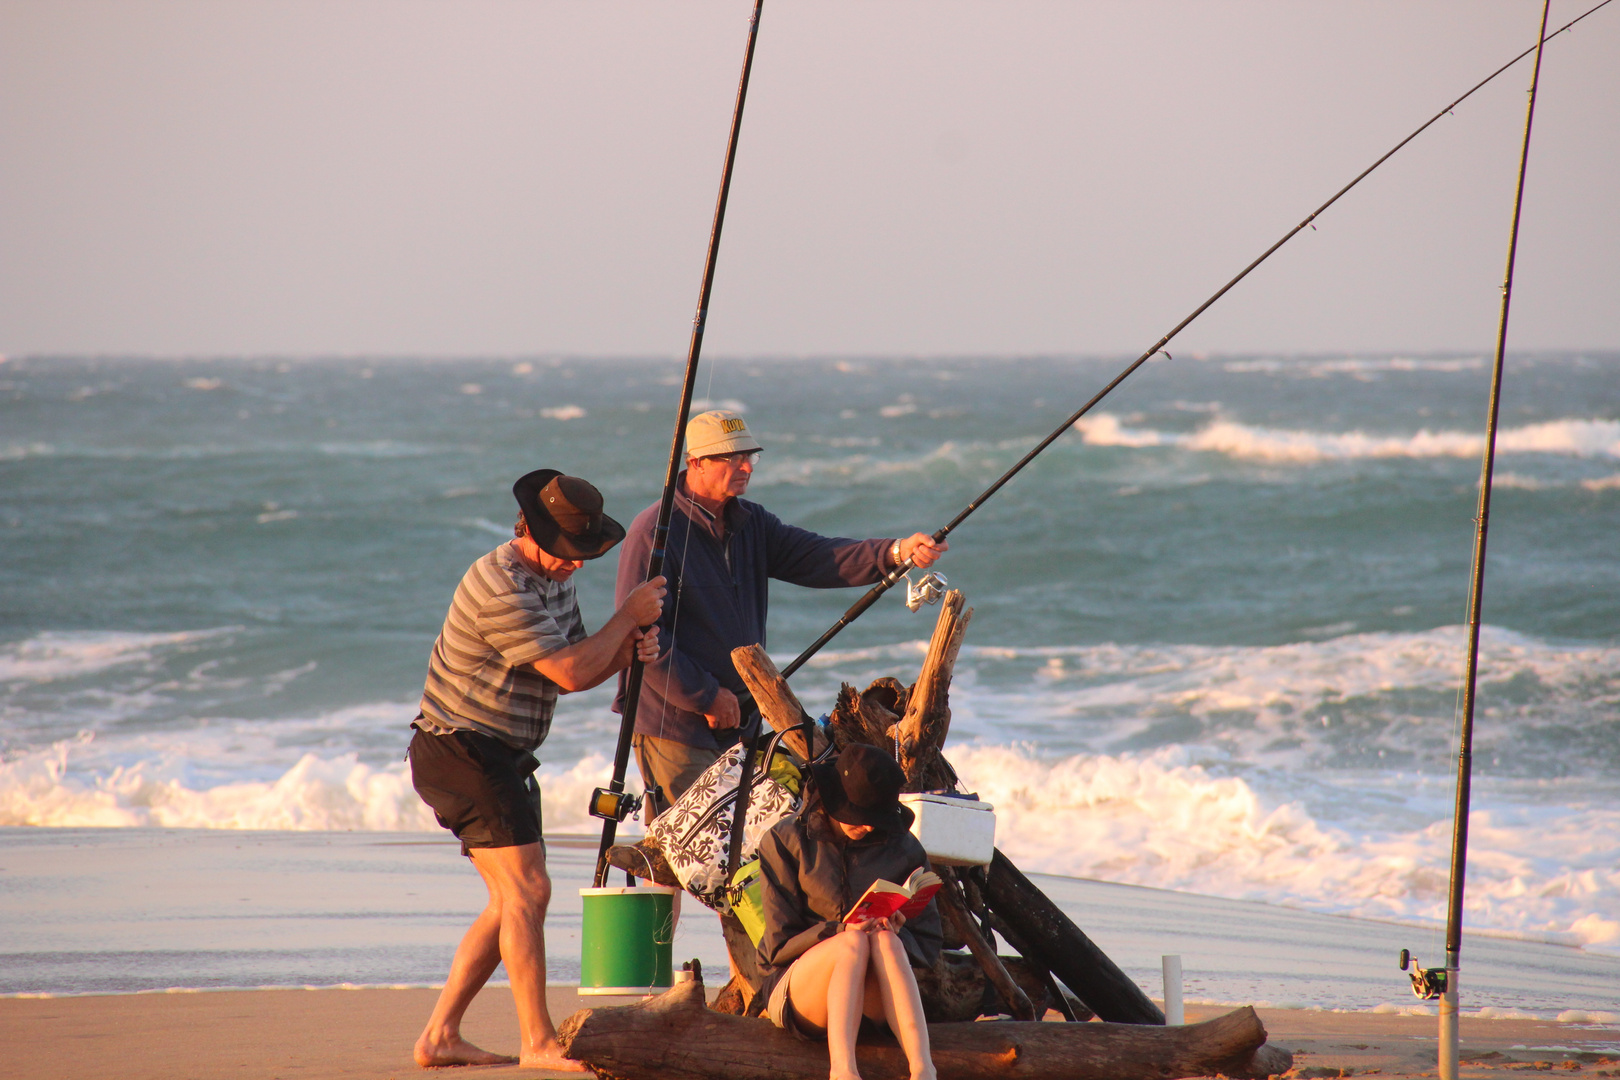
[1427, 983]
[612, 805]
[927, 591]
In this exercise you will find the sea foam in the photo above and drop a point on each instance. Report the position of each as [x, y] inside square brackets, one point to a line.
[51, 656]
[1573, 437]
[1311, 774]
[1163, 821]
[322, 794]
[1159, 819]
[70, 785]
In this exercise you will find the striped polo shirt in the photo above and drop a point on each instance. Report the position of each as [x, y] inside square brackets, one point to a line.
[481, 676]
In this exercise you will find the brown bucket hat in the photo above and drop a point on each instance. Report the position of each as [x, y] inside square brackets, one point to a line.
[564, 515]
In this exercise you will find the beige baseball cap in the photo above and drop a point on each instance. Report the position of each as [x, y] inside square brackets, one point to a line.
[719, 431]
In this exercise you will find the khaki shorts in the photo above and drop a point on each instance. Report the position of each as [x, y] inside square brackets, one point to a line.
[670, 765]
[779, 1009]
[781, 1012]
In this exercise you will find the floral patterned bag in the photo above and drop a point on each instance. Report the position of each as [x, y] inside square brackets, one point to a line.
[695, 833]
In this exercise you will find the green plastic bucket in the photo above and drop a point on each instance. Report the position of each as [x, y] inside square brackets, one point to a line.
[626, 936]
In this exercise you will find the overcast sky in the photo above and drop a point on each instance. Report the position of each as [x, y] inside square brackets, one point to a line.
[462, 178]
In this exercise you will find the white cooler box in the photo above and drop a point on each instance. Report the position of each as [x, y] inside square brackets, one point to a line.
[953, 830]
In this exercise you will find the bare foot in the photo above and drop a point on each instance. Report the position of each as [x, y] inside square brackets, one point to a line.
[551, 1058]
[457, 1051]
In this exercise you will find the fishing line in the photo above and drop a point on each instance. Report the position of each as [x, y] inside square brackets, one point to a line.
[898, 573]
[666, 505]
[679, 591]
[680, 587]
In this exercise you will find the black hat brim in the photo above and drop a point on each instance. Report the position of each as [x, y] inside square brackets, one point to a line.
[548, 534]
[838, 806]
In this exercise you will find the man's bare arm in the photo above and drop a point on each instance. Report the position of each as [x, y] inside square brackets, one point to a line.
[588, 663]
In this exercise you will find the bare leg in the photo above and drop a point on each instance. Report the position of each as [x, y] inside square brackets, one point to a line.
[518, 876]
[511, 928]
[827, 986]
[897, 995]
[476, 957]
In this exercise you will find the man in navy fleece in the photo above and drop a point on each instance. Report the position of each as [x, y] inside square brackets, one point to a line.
[722, 551]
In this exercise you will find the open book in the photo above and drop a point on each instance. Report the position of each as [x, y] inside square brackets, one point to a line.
[884, 898]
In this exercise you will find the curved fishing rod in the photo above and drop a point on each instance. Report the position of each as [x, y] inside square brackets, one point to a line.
[898, 573]
[608, 804]
[1465, 752]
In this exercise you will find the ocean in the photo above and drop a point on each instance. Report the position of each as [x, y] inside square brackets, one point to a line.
[1216, 649]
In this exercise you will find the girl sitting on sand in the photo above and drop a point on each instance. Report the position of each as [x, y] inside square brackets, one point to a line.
[823, 977]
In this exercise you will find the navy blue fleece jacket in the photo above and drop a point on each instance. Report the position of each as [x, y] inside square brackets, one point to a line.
[718, 571]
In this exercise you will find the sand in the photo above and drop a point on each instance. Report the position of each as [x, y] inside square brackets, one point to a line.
[314, 1034]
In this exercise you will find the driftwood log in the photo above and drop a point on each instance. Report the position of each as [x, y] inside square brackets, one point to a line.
[1041, 927]
[958, 922]
[776, 702]
[675, 1036]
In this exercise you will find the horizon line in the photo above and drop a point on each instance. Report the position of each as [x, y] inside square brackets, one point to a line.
[552, 358]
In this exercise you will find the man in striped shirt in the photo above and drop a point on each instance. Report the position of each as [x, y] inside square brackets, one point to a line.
[513, 641]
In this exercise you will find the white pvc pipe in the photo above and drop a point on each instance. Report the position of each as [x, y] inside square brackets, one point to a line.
[1447, 1062]
[1173, 1012]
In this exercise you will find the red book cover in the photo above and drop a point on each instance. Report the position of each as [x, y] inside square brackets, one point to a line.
[884, 898]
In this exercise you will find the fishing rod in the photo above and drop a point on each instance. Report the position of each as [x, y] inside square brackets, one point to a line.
[610, 803]
[1465, 754]
[898, 574]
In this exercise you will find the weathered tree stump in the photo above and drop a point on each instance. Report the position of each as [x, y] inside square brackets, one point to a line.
[865, 717]
[927, 719]
[677, 1037]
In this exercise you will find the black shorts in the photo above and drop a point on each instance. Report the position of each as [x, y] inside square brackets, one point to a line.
[478, 787]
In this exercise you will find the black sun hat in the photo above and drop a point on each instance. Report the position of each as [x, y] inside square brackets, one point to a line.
[564, 515]
[862, 787]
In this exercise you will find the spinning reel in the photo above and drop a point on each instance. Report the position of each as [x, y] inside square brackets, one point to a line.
[927, 591]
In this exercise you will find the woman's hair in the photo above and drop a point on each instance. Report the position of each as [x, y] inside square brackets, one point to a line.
[811, 803]
[521, 529]
[813, 816]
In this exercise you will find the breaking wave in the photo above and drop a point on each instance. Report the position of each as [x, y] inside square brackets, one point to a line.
[315, 794]
[55, 787]
[50, 656]
[1159, 819]
[1352, 701]
[1569, 437]
[1546, 873]
[1312, 774]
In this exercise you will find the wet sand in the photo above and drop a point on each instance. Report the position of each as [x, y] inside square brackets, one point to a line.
[367, 1034]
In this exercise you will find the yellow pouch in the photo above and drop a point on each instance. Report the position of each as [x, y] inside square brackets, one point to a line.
[747, 900]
